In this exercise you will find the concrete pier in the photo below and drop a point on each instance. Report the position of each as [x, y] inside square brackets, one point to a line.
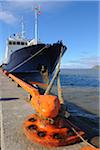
[14, 108]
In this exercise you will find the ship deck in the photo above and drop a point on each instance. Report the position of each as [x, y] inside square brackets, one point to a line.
[14, 109]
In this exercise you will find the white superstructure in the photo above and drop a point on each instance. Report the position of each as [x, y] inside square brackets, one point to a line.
[18, 41]
[13, 44]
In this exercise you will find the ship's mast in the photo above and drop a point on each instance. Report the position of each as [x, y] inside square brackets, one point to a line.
[22, 24]
[37, 11]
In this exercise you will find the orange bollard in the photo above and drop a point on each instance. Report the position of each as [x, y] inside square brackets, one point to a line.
[46, 105]
[50, 134]
[47, 127]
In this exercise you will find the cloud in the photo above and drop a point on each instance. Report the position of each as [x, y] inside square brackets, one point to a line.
[7, 17]
[22, 5]
[10, 9]
[93, 60]
[86, 62]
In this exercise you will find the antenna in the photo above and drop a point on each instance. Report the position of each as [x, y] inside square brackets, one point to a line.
[37, 12]
[22, 24]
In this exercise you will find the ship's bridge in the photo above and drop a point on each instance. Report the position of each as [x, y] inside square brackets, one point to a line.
[13, 44]
[17, 42]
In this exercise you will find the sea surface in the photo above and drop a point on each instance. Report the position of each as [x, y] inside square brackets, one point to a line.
[80, 77]
[72, 77]
[88, 81]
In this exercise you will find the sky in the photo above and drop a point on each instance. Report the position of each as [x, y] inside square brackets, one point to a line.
[76, 23]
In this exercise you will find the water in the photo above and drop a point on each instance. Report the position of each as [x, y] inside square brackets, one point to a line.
[80, 77]
[71, 77]
[87, 78]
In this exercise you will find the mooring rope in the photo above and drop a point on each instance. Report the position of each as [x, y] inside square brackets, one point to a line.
[82, 138]
[61, 97]
[55, 75]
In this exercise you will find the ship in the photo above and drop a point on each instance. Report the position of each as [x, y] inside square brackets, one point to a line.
[31, 57]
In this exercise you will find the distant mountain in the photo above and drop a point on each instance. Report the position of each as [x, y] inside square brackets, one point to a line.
[96, 67]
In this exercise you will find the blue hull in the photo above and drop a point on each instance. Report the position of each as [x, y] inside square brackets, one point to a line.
[26, 61]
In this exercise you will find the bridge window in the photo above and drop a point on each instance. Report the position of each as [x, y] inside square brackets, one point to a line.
[14, 43]
[10, 43]
[18, 43]
[22, 43]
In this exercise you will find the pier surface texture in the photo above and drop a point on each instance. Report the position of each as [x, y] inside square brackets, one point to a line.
[14, 109]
